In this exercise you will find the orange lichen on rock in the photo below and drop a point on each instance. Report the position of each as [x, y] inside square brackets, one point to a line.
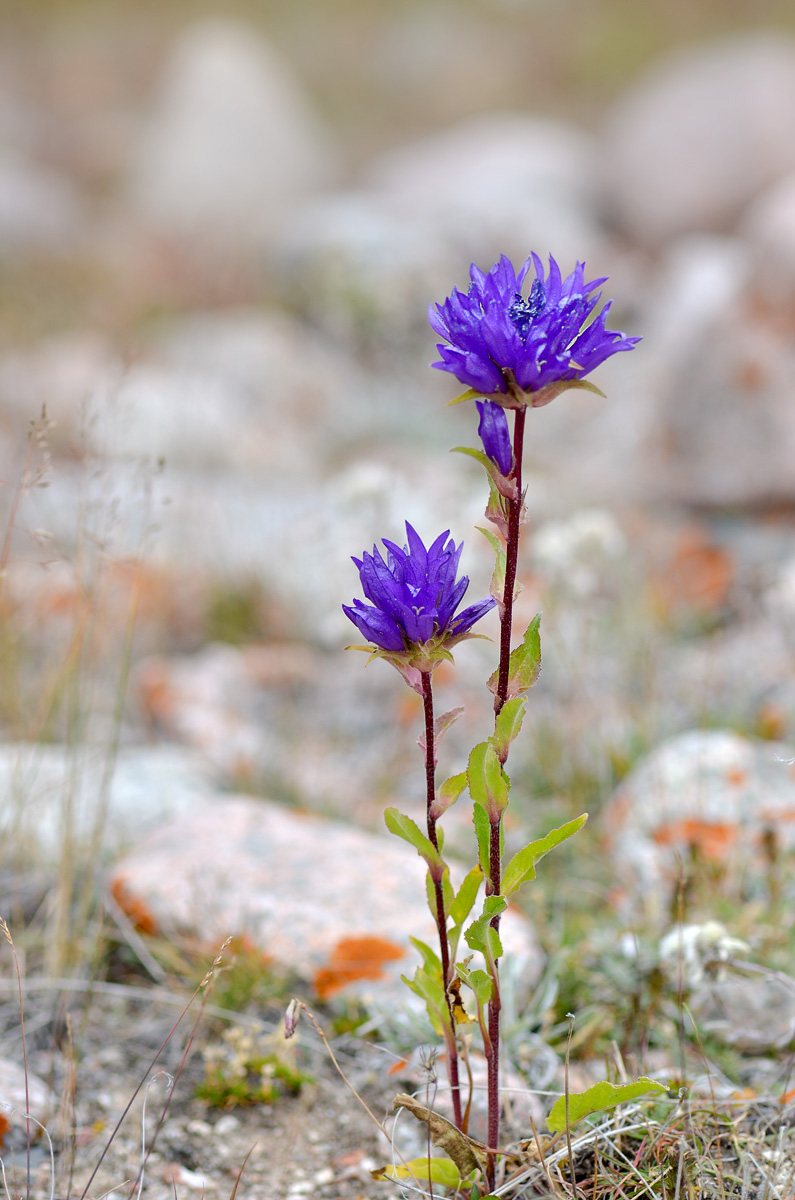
[713, 839]
[5, 1125]
[133, 907]
[698, 576]
[354, 958]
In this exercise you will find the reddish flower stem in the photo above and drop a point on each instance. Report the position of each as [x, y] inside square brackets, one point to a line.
[495, 859]
[441, 919]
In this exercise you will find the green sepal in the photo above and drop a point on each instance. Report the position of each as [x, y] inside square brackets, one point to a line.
[469, 394]
[507, 726]
[466, 896]
[504, 485]
[524, 665]
[426, 1170]
[448, 793]
[403, 827]
[488, 783]
[521, 868]
[599, 1098]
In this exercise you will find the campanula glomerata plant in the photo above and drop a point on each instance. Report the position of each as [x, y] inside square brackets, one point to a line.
[513, 352]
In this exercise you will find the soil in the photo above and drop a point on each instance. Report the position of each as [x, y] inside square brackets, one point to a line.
[317, 1143]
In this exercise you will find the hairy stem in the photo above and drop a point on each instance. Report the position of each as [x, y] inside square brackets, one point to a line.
[495, 860]
[441, 920]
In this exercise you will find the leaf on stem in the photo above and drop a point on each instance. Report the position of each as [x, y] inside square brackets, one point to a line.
[521, 868]
[508, 725]
[466, 896]
[440, 727]
[480, 982]
[448, 793]
[505, 486]
[481, 936]
[488, 783]
[497, 585]
[599, 1098]
[403, 827]
[447, 893]
[524, 663]
[480, 819]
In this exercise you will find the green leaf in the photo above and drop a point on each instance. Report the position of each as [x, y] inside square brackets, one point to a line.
[488, 783]
[403, 827]
[480, 935]
[482, 825]
[507, 726]
[431, 963]
[497, 585]
[521, 868]
[431, 991]
[495, 543]
[426, 1170]
[447, 892]
[524, 665]
[480, 982]
[466, 896]
[448, 793]
[599, 1098]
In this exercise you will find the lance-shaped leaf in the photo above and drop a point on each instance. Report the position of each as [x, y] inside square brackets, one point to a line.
[505, 486]
[600, 1098]
[480, 982]
[448, 793]
[507, 726]
[480, 819]
[497, 585]
[427, 1170]
[524, 664]
[488, 783]
[431, 963]
[403, 827]
[429, 988]
[469, 394]
[447, 892]
[521, 868]
[440, 727]
[466, 896]
[481, 936]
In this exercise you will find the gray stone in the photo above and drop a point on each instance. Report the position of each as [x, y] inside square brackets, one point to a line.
[40, 784]
[712, 793]
[498, 183]
[323, 899]
[229, 145]
[725, 425]
[40, 208]
[700, 135]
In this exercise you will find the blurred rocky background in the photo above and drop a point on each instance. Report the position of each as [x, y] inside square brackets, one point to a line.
[221, 227]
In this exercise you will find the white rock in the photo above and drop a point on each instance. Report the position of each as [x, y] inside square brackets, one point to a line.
[13, 1095]
[711, 790]
[230, 143]
[321, 898]
[700, 135]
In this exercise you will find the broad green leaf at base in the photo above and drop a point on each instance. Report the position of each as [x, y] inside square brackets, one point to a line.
[600, 1098]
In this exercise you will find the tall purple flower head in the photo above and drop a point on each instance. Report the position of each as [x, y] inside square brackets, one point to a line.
[524, 350]
[414, 594]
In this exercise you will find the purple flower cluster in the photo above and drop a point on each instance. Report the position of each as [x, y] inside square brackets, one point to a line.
[498, 342]
[414, 595]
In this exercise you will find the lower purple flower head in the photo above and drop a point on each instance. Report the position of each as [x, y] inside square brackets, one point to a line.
[500, 343]
[413, 598]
